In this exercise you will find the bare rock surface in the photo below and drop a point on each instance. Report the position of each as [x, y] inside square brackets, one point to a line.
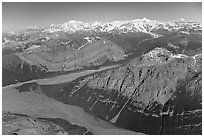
[157, 93]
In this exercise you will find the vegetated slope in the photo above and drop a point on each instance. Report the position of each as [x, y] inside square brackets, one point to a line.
[157, 93]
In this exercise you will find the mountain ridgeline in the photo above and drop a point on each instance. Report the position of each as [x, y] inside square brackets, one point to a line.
[155, 86]
[157, 93]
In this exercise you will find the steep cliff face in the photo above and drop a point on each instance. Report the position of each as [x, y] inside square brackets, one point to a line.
[157, 93]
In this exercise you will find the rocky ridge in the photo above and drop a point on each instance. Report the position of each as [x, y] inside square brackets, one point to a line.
[149, 86]
[156, 93]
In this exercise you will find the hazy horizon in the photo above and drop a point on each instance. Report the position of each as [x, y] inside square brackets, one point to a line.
[41, 14]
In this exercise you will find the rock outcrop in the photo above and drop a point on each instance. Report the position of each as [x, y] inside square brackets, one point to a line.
[157, 93]
[19, 124]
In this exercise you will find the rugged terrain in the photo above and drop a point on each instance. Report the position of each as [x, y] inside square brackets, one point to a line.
[157, 93]
[18, 124]
[140, 75]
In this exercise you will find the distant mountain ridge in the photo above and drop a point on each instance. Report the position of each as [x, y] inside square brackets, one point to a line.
[137, 25]
[77, 45]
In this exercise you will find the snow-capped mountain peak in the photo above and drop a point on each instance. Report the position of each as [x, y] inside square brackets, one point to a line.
[138, 25]
[75, 22]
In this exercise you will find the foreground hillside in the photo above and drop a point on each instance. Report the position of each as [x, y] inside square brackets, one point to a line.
[26, 113]
[19, 124]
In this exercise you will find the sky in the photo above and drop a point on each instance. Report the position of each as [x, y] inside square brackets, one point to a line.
[21, 15]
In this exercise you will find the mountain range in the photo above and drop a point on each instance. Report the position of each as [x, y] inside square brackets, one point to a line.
[140, 75]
